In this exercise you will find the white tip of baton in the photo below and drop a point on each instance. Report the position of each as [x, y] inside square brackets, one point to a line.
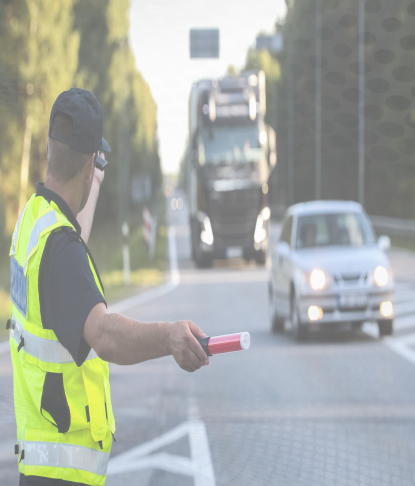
[245, 341]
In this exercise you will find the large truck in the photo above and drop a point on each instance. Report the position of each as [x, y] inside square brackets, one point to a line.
[230, 155]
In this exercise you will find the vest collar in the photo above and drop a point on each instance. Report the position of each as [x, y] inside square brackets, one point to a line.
[49, 195]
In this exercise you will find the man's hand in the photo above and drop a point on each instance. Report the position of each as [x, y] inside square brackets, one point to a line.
[185, 348]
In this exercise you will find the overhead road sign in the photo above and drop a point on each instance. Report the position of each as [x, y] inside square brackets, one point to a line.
[272, 43]
[204, 43]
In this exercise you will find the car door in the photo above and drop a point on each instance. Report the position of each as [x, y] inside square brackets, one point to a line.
[281, 269]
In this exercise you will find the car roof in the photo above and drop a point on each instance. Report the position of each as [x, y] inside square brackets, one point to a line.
[316, 207]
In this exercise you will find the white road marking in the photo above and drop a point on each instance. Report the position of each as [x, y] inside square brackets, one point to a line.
[404, 322]
[402, 345]
[401, 348]
[199, 466]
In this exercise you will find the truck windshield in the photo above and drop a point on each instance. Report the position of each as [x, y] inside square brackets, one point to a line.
[233, 144]
[335, 229]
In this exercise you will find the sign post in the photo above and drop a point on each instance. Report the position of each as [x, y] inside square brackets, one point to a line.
[149, 231]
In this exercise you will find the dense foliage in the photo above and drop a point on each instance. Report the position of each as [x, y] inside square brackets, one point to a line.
[47, 47]
[388, 95]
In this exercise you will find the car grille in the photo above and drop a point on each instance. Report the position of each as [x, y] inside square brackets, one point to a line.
[350, 278]
[233, 217]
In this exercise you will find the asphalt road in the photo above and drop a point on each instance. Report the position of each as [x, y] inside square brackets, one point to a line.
[336, 410]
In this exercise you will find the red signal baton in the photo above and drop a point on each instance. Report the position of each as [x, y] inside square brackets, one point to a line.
[225, 344]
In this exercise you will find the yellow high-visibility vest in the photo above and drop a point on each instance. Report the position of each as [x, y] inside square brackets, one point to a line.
[73, 443]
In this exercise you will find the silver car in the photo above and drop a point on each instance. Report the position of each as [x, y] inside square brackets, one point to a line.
[329, 272]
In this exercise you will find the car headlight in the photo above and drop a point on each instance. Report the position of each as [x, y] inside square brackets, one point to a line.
[381, 276]
[318, 279]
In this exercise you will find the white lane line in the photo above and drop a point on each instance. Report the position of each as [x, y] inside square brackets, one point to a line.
[401, 345]
[371, 329]
[199, 449]
[164, 289]
[404, 308]
[404, 322]
[133, 459]
[401, 348]
[199, 466]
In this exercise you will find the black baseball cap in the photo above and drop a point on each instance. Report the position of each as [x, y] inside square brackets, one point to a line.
[85, 111]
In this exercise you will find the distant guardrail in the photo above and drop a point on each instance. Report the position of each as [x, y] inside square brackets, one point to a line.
[382, 224]
[393, 226]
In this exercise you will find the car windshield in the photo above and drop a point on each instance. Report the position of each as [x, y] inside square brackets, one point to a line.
[231, 144]
[333, 229]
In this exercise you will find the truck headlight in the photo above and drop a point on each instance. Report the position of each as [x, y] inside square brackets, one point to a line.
[266, 213]
[260, 232]
[318, 279]
[207, 234]
[381, 276]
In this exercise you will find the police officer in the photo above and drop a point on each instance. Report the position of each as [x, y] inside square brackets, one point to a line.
[61, 334]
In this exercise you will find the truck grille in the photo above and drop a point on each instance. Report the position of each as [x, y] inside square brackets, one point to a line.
[233, 216]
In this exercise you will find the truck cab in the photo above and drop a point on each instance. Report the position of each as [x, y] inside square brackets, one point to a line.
[230, 156]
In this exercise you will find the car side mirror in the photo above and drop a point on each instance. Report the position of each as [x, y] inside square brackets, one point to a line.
[283, 249]
[384, 243]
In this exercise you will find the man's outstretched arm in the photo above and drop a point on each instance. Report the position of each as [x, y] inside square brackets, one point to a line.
[119, 339]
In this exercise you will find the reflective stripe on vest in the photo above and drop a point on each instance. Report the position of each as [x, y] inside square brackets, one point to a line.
[46, 350]
[16, 233]
[41, 225]
[18, 288]
[64, 455]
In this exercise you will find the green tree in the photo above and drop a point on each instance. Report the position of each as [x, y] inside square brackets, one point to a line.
[388, 94]
[107, 67]
[40, 62]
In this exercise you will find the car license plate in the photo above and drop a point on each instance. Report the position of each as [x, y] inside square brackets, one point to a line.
[234, 252]
[352, 301]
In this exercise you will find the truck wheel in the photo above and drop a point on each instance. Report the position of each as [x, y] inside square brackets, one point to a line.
[300, 330]
[202, 259]
[385, 327]
[260, 258]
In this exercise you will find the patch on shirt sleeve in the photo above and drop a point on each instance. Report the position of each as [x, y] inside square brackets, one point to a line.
[18, 286]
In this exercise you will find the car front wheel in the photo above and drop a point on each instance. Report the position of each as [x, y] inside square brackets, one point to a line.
[300, 330]
[277, 322]
[385, 327]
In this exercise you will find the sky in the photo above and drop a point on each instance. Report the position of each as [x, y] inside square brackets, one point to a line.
[159, 35]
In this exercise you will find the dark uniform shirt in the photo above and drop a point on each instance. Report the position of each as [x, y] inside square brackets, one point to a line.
[68, 293]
